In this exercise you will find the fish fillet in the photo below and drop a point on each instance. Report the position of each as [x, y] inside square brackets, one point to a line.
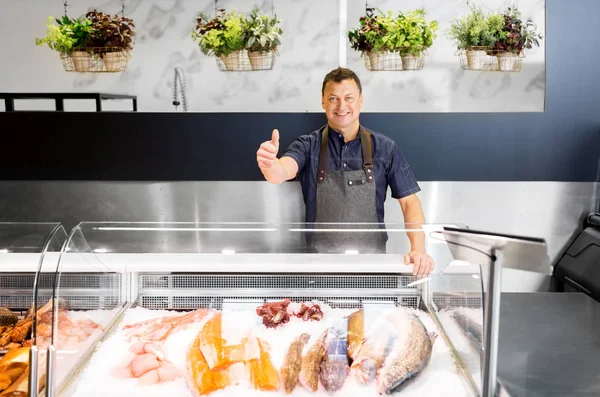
[201, 380]
[263, 374]
[220, 353]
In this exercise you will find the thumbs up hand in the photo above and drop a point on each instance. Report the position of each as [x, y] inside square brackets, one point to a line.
[267, 152]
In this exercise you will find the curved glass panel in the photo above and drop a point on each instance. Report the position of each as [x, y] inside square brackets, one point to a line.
[28, 256]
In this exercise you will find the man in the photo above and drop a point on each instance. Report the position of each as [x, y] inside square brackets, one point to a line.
[345, 169]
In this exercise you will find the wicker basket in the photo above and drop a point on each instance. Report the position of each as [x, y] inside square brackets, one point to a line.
[97, 60]
[244, 61]
[489, 59]
[393, 61]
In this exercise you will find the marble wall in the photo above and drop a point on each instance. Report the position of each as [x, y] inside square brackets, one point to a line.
[310, 48]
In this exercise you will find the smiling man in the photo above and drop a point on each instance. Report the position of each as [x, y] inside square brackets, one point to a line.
[345, 170]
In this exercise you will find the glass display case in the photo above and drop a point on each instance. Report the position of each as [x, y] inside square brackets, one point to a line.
[194, 309]
[29, 254]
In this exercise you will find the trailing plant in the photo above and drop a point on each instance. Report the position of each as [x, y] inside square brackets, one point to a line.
[476, 29]
[516, 35]
[262, 33]
[220, 35]
[66, 35]
[111, 31]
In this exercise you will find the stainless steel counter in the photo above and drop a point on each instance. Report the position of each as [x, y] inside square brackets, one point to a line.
[549, 345]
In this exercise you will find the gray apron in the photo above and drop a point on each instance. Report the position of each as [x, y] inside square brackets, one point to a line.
[345, 197]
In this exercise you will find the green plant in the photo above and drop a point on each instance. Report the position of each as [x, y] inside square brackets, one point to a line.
[220, 35]
[110, 31]
[376, 33]
[407, 33]
[515, 35]
[418, 33]
[66, 35]
[262, 33]
[476, 29]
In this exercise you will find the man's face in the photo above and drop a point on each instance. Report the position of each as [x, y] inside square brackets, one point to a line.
[342, 102]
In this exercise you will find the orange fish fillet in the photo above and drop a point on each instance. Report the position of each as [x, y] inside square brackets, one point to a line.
[263, 374]
[220, 353]
[201, 380]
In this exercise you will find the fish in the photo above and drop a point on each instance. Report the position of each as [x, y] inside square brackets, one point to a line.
[374, 348]
[292, 362]
[355, 332]
[311, 362]
[15, 358]
[8, 377]
[20, 387]
[7, 317]
[410, 352]
[334, 367]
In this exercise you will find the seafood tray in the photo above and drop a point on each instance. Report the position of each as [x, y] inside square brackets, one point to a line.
[167, 342]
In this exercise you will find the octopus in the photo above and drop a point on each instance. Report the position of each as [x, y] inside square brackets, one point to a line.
[310, 312]
[274, 314]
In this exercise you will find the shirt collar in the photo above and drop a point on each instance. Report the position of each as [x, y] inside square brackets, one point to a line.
[335, 134]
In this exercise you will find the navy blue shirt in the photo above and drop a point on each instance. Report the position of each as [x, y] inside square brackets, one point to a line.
[390, 167]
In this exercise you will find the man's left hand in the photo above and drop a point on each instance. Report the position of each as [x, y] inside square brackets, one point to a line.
[423, 263]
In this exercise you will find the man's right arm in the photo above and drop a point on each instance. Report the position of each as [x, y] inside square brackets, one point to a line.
[275, 170]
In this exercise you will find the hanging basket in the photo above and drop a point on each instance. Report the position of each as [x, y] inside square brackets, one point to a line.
[393, 61]
[490, 60]
[244, 61]
[97, 60]
[262, 60]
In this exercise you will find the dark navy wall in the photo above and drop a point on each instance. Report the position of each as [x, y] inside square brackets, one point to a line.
[561, 144]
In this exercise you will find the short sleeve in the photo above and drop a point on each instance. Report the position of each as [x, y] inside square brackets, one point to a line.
[299, 150]
[399, 176]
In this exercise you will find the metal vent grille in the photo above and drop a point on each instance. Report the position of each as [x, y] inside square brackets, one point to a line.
[91, 302]
[20, 302]
[460, 283]
[46, 280]
[274, 281]
[452, 301]
[250, 303]
[24, 302]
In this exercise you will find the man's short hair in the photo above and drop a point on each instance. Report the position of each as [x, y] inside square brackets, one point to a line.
[338, 75]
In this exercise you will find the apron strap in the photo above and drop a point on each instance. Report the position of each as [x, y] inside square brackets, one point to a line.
[367, 154]
[323, 155]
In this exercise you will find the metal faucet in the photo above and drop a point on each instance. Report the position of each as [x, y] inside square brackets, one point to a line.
[179, 90]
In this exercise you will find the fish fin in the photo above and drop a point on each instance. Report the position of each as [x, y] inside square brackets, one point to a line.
[432, 336]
